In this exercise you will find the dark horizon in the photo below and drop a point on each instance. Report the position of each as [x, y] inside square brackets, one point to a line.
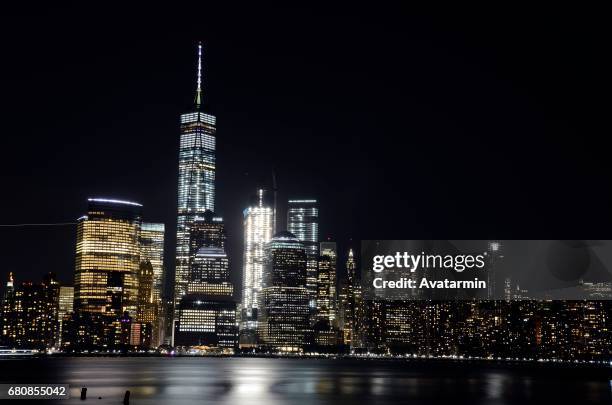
[404, 123]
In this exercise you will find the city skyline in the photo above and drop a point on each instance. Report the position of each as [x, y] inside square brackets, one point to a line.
[428, 104]
[305, 204]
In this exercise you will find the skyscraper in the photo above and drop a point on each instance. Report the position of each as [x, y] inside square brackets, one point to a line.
[196, 190]
[207, 313]
[29, 314]
[66, 307]
[6, 310]
[108, 258]
[303, 222]
[283, 316]
[352, 305]
[147, 307]
[150, 296]
[152, 251]
[326, 283]
[258, 227]
[210, 273]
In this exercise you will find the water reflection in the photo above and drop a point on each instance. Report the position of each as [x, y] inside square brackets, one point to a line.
[289, 381]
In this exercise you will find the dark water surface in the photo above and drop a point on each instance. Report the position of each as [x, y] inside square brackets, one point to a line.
[266, 381]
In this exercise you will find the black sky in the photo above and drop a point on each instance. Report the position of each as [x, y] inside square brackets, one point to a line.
[405, 123]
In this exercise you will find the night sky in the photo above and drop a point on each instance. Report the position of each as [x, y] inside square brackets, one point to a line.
[405, 123]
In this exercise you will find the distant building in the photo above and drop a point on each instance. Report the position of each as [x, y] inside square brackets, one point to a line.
[152, 237]
[258, 227]
[85, 331]
[207, 314]
[108, 258]
[30, 314]
[303, 222]
[326, 283]
[7, 312]
[209, 273]
[196, 188]
[206, 321]
[351, 306]
[325, 325]
[284, 310]
[207, 230]
[148, 309]
[495, 256]
[66, 308]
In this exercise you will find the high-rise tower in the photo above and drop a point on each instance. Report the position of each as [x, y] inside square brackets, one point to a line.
[108, 258]
[258, 228]
[283, 314]
[196, 191]
[326, 283]
[303, 222]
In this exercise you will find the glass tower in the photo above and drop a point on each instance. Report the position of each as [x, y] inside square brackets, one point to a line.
[66, 307]
[303, 222]
[196, 190]
[152, 251]
[152, 272]
[207, 312]
[258, 228]
[284, 315]
[210, 273]
[326, 291]
[108, 258]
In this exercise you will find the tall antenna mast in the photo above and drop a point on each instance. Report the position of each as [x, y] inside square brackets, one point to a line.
[275, 191]
[198, 98]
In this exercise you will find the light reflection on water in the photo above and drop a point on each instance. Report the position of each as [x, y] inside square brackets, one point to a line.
[293, 381]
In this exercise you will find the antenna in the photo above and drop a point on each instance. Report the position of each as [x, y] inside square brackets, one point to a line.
[275, 191]
[198, 99]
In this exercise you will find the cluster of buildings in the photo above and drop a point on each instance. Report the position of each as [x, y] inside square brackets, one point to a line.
[296, 296]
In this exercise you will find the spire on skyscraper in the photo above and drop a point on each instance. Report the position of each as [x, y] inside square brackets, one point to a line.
[198, 98]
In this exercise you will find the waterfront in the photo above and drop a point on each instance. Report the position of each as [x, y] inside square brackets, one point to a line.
[269, 381]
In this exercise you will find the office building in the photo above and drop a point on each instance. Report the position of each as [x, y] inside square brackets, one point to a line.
[303, 222]
[209, 273]
[30, 314]
[208, 322]
[208, 230]
[196, 189]
[326, 283]
[284, 310]
[258, 227]
[108, 258]
[65, 309]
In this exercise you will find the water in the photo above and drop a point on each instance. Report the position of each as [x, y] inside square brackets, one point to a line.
[266, 381]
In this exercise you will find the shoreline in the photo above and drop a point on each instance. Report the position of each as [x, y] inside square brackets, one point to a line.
[397, 360]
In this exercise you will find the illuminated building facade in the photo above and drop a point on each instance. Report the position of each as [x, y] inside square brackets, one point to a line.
[65, 309]
[326, 283]
[8, 314]
[352, 306]
[196, 189]
[108, 258]
[284, 310]
[207, 230]
[258, 228]
[150, 295]
[147, 307]
[303, 222]
[207, 313]
[152, 251]
[206, 321]
[495, 256]
[209, 273]
[30, 314]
